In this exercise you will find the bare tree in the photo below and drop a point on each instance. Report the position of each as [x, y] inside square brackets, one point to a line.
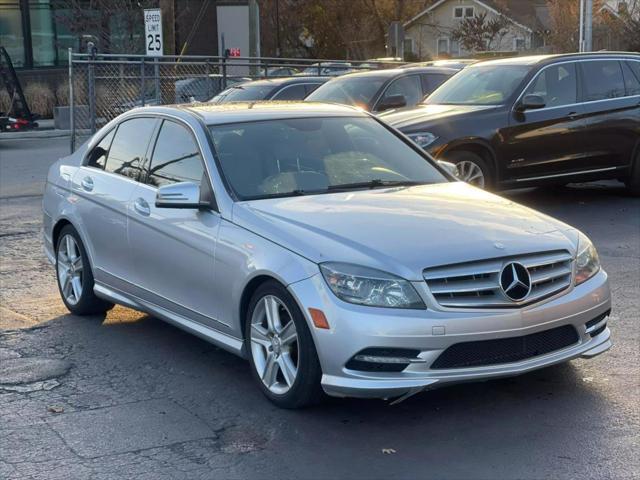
[481, 33]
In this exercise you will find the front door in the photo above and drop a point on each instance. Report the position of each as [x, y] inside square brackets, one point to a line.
[547, 141]
[173, 248]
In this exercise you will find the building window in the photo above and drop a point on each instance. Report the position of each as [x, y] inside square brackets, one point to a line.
[443, 46]
[519, 44]
[463, 12]
[408, 45]
[43, 36]
[454, 47]
[11, 34]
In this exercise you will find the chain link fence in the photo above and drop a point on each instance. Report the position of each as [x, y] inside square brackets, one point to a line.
[105, 85]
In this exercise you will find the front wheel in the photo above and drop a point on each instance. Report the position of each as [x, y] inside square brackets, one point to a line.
[281, 351]
[472, 168]
[75, 278]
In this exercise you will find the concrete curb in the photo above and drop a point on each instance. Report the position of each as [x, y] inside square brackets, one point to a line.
[34, 134]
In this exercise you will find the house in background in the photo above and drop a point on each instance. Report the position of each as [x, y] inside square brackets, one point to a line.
[429, 34]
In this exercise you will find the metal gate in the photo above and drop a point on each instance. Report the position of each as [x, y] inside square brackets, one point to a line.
[102, 86]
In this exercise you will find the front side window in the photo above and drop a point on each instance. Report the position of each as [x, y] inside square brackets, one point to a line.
[315, 155]
[98, 156]
[176, 157]
[291, 92]
[357, 91]
[431, 81]
[602, 80]
[557, 85]
[129, 146]
[409, 87]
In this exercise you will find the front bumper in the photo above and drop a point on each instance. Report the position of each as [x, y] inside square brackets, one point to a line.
[355, 328]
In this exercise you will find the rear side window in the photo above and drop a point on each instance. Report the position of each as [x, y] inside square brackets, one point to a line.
[129, 146]
[557, 85]
[310, 87]
[631, 80]
[431, 81]
[602, 80]
[176, 157]
[98, 156]
[635, 68]
[291, 92]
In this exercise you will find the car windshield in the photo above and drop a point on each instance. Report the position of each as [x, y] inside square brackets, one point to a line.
[357, 91]
[278, 158]
[243, 93]
[481, 85]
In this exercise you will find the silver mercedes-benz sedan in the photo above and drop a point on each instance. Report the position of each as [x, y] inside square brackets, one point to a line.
[323, 246]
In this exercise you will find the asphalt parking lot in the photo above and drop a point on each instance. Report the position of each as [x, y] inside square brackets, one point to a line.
[130, 396]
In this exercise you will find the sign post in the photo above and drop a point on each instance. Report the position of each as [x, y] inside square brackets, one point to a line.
[154, 45]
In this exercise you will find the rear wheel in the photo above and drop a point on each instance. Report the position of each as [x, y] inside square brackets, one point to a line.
[283, 357]
[472, 168]
[74, 275]
[633, 180]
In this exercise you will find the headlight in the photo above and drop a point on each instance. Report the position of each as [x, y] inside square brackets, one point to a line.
[367, 286]
[423, 139]
[587, 261]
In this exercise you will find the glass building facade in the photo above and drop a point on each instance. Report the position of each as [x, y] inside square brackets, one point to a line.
[38, 33]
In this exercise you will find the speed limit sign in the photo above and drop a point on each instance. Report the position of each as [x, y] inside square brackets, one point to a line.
[153, 32]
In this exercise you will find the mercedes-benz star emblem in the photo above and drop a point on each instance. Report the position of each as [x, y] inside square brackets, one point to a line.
[515, 281]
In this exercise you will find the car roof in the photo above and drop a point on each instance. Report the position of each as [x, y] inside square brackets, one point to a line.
[541, 59]
[238, 112]
[394, 72]
[277, 81]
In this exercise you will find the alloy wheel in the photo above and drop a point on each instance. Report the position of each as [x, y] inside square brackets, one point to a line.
[274, 344]
[471, 173]
[70, 269]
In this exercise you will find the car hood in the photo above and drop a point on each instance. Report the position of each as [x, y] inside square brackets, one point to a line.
[404, 230]
[425, 113]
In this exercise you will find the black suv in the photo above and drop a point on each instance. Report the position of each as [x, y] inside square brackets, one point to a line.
[532, 120]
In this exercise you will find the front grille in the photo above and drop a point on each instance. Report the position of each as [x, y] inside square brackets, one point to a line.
[506, 350]
[477, 284]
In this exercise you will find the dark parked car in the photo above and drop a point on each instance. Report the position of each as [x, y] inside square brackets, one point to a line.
[531, 120]
[381, 90]
[291, 88]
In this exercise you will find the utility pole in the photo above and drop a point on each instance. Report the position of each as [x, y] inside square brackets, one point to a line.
[581, 37]
[277, 28]
[254, 29]
[588, 27]
[168, 8]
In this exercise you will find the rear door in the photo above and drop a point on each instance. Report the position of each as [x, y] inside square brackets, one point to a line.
[103, 187]
[612, 112]
[547, 141]
[173, 249]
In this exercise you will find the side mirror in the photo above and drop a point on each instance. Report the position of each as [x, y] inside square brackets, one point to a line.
[179, 195]
[392, 101]
[451, 168]
[531, 102]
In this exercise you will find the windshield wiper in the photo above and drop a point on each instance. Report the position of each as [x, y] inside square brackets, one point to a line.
[375, 183]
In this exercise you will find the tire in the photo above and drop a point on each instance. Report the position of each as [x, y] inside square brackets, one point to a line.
[264, 337]
[471, 164]
[77, 295]
[633, 180]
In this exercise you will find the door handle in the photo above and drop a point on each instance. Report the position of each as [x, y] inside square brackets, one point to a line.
[141, 206]
[572, 115]
[87, 183]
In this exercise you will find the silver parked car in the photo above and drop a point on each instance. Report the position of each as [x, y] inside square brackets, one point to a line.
[323, 246]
